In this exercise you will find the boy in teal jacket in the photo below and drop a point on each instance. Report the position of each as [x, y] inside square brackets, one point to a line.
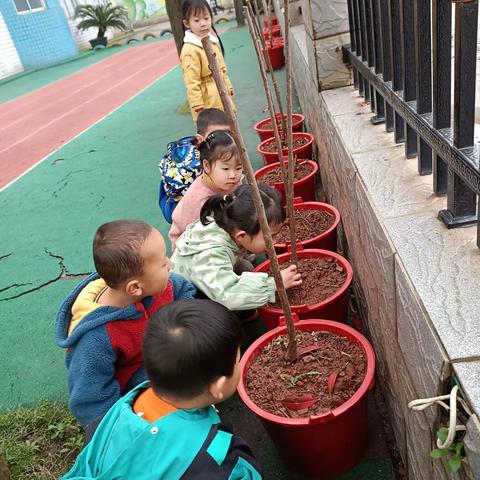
[167, 427]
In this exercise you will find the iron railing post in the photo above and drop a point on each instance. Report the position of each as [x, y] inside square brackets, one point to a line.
[409, 72]
[424, 77]
[461, 200]
[442, 81]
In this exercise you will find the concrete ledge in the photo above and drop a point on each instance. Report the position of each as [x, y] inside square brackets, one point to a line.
[417, 281]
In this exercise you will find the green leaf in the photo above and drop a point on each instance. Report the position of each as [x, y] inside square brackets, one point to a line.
[442, 434]
[101, 17]
[438, 453]
[455, 463]
[458, 447]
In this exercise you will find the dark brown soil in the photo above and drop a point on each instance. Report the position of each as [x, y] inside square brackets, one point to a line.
[321, 278]
[297, 142]
[309, 224]
[320, 380]
[269, 125]
[275, 176]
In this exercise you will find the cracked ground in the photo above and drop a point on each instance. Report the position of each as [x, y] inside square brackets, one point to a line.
[49, 216]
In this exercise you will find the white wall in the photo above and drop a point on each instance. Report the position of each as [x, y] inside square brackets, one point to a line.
[82, 38]
[10, 62]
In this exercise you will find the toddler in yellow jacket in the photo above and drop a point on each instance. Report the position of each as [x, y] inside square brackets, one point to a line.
[201, 89]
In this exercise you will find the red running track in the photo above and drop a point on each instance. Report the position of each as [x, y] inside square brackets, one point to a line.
[35, 125]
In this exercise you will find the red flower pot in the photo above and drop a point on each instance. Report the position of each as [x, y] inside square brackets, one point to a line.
[303, 188]
[276, 32]
[326, 240]
[325, 445]
[265, 134]
[273, 20]
[275, 54]
[332, 308]
[305, 151]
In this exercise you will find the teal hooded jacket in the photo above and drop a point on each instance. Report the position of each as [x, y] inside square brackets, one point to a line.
[185, 444]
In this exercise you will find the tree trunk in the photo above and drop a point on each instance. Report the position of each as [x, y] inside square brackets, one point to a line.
[239, 12]
[174, 11]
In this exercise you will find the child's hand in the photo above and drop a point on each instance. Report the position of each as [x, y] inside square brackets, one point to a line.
[291, 277]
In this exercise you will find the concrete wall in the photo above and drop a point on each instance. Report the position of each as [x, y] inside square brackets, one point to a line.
[326, 29]
[417, 281]
[41, 37]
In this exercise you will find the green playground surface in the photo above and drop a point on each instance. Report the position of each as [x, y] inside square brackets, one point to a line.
[109, 172]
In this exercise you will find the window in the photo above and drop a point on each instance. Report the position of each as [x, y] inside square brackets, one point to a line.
[26, 6]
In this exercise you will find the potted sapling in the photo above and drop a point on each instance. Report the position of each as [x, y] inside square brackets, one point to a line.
[315, 410]
[327, 275]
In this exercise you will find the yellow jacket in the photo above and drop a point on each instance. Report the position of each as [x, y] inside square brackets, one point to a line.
[201, 89]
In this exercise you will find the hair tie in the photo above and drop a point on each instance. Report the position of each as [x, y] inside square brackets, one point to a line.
[209, 138]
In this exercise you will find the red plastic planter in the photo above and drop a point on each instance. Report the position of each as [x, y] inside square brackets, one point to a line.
[297, 125]
[303, 188]
[273, 19]
[305, 151]
[332, 308]
[326, 240]
[276, 32]
[277, 59]
[326, 445]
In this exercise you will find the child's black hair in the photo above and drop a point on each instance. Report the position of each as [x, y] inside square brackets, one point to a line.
[117, 250]
[208, 117]
[237, 210]
[189, 344]
[219, 145]
[192, 7]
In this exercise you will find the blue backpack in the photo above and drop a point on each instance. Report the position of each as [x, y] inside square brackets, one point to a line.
[178, 169]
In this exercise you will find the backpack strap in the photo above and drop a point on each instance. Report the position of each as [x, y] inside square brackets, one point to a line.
[223, 455]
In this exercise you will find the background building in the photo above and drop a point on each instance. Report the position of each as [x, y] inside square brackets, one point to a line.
[33, 34]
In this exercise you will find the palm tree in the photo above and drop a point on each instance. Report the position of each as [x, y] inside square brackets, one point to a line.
[102, 17]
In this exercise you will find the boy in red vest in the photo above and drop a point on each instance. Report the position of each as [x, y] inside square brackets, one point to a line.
[102, 322]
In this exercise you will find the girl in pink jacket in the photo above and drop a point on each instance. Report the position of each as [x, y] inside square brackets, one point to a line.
[222, 172]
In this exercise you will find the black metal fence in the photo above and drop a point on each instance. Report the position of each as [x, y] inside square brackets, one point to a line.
[401, 55]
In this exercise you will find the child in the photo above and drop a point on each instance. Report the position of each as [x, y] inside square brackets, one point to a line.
[207, 252]
[181, 165]
[201, 89]
[222, 172]
[101, 322]
[167, 428]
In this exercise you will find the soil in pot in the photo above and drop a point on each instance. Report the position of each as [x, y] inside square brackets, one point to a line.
[309, 224]
[321, 278]
[275, 176]
[318, 381]
[297, 143]
[269, 125]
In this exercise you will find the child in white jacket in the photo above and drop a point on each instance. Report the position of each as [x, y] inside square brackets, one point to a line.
[207, 252]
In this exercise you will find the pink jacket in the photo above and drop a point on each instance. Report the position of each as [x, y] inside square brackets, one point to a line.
[188, 209]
